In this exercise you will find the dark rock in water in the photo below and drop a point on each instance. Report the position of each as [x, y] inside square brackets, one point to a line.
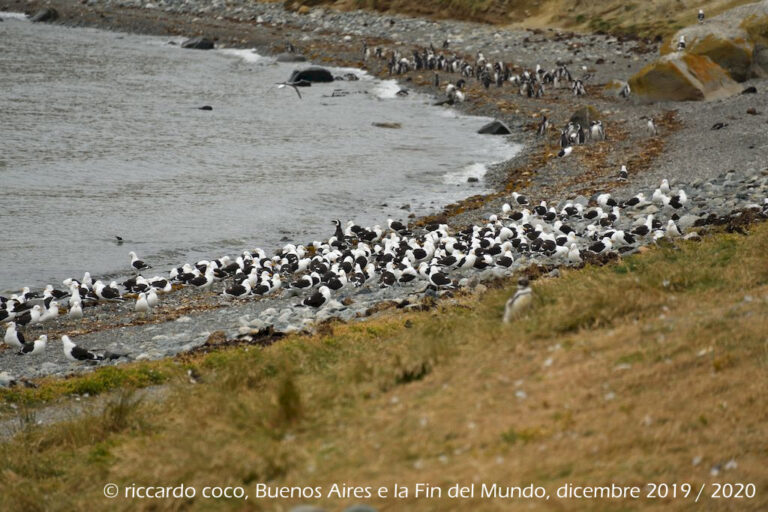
[290, 57]
[205, 107]
[312, 74]
[198, 43]
[43, 15]
[303, 83]
[750, 90]
[1, 19]
[472, 179]
[387, 125]
[495, 128]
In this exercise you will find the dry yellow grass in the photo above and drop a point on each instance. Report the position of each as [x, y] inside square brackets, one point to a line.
[652, 369]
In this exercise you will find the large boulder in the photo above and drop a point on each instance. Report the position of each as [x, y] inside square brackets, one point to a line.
[756, 26]
[495, 128]
[728, 46]
[585, 115]
[734, 39]
[198, 43]
[43, 15]
[683, 77]
[311, 74]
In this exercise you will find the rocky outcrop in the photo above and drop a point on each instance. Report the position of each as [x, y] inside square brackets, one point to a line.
[311, 74]
[683, 76]
[198, 43]
[736, 40]
[45, 15]
[728, 46]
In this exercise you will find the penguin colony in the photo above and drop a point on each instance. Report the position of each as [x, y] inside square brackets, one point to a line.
[532, 83]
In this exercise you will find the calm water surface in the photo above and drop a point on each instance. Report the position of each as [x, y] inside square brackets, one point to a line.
[100, 135]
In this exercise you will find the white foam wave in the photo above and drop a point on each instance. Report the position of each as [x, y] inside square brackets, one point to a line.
[386, 89]
[501, 152]
[13, 15]
[463, 175]
[247, 55]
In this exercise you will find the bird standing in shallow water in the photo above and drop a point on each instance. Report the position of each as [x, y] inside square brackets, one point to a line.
[519, 302]
[136, 263]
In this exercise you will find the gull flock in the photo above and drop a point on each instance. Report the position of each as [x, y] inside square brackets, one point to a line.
[318, 276]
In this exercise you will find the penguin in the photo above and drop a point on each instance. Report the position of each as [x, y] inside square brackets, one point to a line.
[519, 302]
[543, 126]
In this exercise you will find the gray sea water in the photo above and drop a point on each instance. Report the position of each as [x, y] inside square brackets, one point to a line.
[100, 135]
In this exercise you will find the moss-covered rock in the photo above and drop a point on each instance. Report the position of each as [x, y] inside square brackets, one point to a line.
[728, 46]
[585, 115]
[683, 77]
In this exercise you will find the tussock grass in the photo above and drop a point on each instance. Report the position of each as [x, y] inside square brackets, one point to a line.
[102, 380]
[625, 373]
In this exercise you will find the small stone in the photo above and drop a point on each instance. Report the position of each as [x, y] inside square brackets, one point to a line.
[472, 179]
[752, 111]
[216, 338]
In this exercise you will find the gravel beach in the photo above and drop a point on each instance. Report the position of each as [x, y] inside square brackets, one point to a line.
[723, 171]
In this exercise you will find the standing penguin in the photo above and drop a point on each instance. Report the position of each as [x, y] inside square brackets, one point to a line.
[519, 302]
[543, 126]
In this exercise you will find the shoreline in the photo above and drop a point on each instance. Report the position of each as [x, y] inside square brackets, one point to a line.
[494, 178]
[197, 317]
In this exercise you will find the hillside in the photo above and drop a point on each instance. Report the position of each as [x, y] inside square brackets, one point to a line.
[646, 18]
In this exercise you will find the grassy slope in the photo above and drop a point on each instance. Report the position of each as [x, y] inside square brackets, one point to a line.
[629, 372]
[645, 18]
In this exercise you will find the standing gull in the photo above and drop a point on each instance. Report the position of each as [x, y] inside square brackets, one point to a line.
[136, 263]
[75, 353]
[34, 348]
